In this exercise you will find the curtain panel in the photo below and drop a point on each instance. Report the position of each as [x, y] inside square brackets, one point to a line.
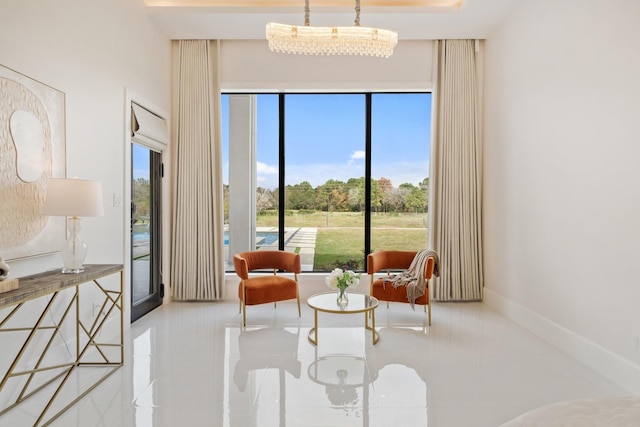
[197, 242]
[456, 209]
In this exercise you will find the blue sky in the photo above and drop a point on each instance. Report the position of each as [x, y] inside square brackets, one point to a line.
[325, 137]
[140, 156]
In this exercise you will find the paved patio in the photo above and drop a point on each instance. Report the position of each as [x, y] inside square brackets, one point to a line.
[303, 241]
[300, 240]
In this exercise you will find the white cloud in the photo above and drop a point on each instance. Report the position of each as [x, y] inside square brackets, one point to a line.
[264, 168]
[269, 180]
[357, 155]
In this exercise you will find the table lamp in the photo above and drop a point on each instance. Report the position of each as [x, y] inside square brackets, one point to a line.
[73, 198]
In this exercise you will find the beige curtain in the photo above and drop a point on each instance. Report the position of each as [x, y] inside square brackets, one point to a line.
[197, 258]
[456, 170]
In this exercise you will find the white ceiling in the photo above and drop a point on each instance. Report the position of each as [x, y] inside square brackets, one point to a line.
[246, 19]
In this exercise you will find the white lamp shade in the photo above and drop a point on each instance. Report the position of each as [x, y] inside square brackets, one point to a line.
[73, 197]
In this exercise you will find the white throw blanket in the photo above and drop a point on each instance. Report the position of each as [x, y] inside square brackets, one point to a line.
[413, 278]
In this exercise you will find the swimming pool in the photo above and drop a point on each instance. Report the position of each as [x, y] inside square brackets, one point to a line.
[140, 237]
[262, 237]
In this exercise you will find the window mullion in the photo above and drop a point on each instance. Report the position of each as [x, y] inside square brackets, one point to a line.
[367, 181]
[281, 167]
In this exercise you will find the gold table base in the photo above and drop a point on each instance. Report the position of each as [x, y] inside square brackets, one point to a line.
[325, 302]
[90, 351]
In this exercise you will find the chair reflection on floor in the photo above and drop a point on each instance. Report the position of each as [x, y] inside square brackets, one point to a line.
[268, 348]
[400, 363]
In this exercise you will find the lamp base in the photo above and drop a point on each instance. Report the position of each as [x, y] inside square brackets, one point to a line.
[75, 250]
[66, 270]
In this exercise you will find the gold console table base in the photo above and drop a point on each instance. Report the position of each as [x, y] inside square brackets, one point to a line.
[40, 376]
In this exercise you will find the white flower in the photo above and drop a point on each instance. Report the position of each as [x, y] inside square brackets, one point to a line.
[339, 279]
[332, 279]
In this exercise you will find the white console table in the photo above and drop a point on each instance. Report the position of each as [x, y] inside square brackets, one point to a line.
[57, 310]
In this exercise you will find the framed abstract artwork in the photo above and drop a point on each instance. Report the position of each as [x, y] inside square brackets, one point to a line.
[32, 151]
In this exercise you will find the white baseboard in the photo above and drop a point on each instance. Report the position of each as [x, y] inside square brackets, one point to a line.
[605, 362]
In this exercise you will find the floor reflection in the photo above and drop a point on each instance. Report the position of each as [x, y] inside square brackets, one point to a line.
[257, 351]
[262, 350]
[402, 375]
[346, 382]
[192, 365]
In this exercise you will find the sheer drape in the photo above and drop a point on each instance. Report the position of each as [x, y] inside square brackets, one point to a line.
[197, 258]
[456, 212]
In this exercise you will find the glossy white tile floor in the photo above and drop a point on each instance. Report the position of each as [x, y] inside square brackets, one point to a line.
[191, 364]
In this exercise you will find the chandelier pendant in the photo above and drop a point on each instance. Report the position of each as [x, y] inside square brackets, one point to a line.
[308, 40]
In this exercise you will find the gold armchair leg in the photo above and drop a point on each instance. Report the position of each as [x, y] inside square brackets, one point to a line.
[429, 313]
[298, 298]
[244, 305]
[244, 314]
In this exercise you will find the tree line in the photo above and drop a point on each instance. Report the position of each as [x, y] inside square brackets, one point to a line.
[339, 196]
[332, 196]
[140, 195]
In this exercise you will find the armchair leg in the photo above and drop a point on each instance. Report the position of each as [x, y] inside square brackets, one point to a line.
[298, 298]
[244, 305]
[244, 315]
[429, 316]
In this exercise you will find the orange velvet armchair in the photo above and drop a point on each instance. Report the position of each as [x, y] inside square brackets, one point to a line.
[396, 260]
[266, 288]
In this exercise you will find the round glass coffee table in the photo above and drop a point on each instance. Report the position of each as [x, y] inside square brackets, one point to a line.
[358, 303]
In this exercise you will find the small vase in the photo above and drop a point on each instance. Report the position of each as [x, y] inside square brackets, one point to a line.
[343, 298]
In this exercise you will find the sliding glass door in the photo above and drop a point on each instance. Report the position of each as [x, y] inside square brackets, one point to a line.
[146, 254]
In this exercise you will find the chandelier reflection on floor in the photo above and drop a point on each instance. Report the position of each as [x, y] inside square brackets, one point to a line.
[308, 40]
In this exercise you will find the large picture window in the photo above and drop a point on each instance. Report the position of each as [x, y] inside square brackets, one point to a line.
[332, 176]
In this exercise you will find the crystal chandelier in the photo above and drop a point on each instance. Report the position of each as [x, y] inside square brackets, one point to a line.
[308, 40]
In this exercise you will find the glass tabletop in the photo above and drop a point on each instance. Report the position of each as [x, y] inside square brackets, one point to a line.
[327, 302]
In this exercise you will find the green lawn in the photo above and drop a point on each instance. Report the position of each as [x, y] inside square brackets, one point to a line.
[343, 219]
[313, 219]
[339, 247]
[341, 242]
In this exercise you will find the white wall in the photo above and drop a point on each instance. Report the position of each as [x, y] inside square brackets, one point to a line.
[249, 65]
[92, 51]
[561, 198]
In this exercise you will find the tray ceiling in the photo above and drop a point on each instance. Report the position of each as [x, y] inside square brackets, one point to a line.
[246, 19]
